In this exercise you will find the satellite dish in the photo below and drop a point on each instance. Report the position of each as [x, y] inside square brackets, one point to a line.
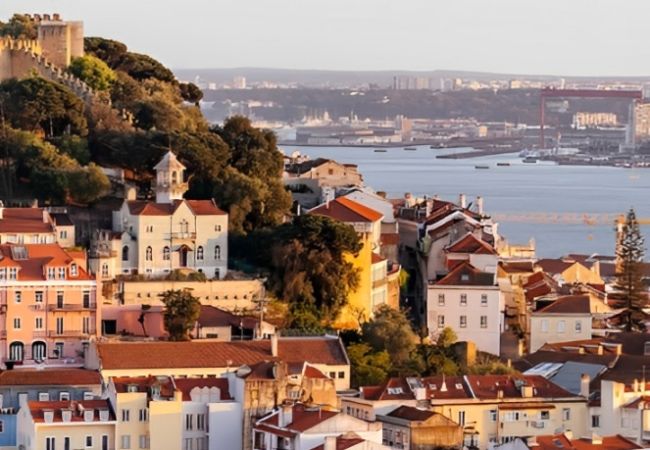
[243, 371]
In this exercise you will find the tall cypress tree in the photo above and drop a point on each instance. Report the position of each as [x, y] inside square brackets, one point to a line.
[629, 278]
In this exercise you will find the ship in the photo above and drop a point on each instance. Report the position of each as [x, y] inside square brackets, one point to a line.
[380, 150]
[503, 164]
[529, 160]
[481, 167]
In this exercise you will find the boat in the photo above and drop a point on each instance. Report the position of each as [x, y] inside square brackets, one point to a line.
[441, 145]
[529, 160]
[380, 150]
[412, 149]
[482, 167]
[503, 164]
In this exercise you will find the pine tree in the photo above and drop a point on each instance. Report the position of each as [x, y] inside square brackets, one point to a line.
[629, 279]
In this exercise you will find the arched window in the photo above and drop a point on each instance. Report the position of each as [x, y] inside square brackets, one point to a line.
[39, 351]
[16, 351]
[166, 254]
[149, 254]
[104, 270]
[174, 177]
[199, 253]
[217, 252]
[184, 226]
[125, 253]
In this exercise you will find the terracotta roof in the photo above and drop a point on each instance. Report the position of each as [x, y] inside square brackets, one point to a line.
[391, 389]
[568, 304]
[471, 244]
[64, 377]
[185, 385]
[150, 355]
[344, 442]
[24, 220]
[312, 372]
[205, 208]
[557, 441]
[198, 207]
[303, 418]
[467, 275]
[555, 266]
[487, 386]
[516, 266]
[347, 210]
[32, 264]
[211, 316]
[144, 385]
[439, 387]
[411, 414]
[38, 409]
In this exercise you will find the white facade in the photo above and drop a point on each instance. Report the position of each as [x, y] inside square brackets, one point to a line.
[475, 313]
[549, 328]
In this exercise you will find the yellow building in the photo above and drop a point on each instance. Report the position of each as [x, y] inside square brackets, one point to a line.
[373, 284]
[570, 271]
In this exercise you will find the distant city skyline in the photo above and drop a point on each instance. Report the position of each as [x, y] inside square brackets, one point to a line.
[552, 37]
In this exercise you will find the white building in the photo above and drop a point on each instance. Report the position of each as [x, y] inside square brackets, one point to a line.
[155, 238]
[471, 303]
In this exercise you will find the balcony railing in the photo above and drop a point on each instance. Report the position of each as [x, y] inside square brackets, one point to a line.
[70, 333]
[184, 235]
[72, 306]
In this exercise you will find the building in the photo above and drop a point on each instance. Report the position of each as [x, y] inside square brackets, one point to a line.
[349, 441]
[51, 425]
[411, 428]
[569, 270]
[49, 304]
[215, 323]
[567, 441]
[299, 427]
[490, 409]
[36, 226]
[155, 238]
[470, 302]
[373, 284]
[17, 387]
[568, 318]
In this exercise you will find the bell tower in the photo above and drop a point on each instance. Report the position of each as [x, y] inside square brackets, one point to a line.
[170, 184]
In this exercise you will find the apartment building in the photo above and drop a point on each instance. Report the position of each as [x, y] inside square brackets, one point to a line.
[36, 226]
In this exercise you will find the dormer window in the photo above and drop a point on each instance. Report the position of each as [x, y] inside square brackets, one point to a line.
[103, 415]
[51, 273]
[13, 273]
[66, 414]
[132, 388]
[74, 271]
[89, 415]
[61, 273]
[3, 274]
[48, 416]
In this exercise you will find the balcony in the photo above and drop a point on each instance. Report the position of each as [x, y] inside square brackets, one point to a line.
[183, 236]
[70, 333]
[71, 307]
[37, 307]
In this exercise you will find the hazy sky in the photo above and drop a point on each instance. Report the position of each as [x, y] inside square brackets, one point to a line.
[571, 37]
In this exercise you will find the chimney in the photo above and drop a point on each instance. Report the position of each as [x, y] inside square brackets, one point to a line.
[45, 215]
[330, 443]
[479, 205]
[2, 209]
[429, 206]
[596, 440]
[274, 345]
[462, 201]
[286, 415]
[499, 393]
[584, 385]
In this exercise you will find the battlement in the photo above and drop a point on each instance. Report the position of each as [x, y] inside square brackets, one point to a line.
[38, 18]
[27, 45]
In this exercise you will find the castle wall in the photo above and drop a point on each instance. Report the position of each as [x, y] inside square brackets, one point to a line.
[54, 37]
[76, 39]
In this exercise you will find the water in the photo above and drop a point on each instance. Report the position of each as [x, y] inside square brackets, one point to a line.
[520, 188]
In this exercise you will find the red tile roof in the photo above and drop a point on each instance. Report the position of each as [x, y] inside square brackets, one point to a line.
[25, 220]
[391, 389]
[569, 304]
[150, 355]
[144, 385]
[38, 257]
[487, 386]
[211, 316]
[471, 244]
[38, 409]
[185, 385]
[312, 372]
[63, 377]
[467, 275]
[439, 387]
[555, 266]
[554, 442]
[347, 210]
[344, 442]
[411, 414]
[198, 207]
[303, 418]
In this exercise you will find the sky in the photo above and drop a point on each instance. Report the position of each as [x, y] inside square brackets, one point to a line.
[555, 37]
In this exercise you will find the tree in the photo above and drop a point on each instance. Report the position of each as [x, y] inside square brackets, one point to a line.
[20, 26]
[629, 279]
[368, 368]
[182, 310]
[390, 330]
[88, 184]
[109, 51]
[93, 71]
[191, 93]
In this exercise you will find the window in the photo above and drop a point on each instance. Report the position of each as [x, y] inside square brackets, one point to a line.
[463, 321]
[463, 299]
[566, 414]
[66, 443]
[126, 415]
[125, 441]
[104, 270]
[341, 375]
[125, 253]
[441, 299]
[89, 396]
[174, 177]
[143, 415]
[200, 422]
[50, 443]
[43, 397]
[184, 226]
[61, 273]
[144, 441]
[561, 325]
[189, 422]
[544, 415]
[461, 418]
[484, 300]
[59, 325]
[74, 271]
[58, 349]
[13, 273]
[188, 444]
[166, 254]
[595, 421]
[86, 299]
[89, 441]
[59, 299]
[483, 321]
[51, 273]
[149, 229]
[39, 323]
[18, 296]
[217, 228]
[3, 274]
[64, 396]
[217, 252]
[199, 253]
[493, 415]
[578, 326]
[544, 326]
[149, 254]
[441, 321]
[85, 325]
[38, 296]
[16, 351]
[17, 323]
[39, 351]
[2, 426]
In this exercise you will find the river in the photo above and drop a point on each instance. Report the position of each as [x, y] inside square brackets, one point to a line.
[519, 188]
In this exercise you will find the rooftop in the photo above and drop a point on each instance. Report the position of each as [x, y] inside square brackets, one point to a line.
[347, 210]
[467, 275]
[45, 377]
[198, 207]
[25, 220]
[568, 304]
[38, 410]
[303, 418]
[471, 244]
[553, 442]
[32, 261]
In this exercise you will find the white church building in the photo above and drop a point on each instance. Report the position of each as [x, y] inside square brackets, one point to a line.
[154, 238]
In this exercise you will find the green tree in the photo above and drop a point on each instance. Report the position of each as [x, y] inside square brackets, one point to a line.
[93, 71]
[368, 368]
[20, 26]
[88, 184]
[191, 93]
[109, 51]
[629, 278]
[308, 264]
[182, 310]
[390, 330]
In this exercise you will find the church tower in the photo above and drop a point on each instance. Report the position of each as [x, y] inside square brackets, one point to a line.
[170, 184]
